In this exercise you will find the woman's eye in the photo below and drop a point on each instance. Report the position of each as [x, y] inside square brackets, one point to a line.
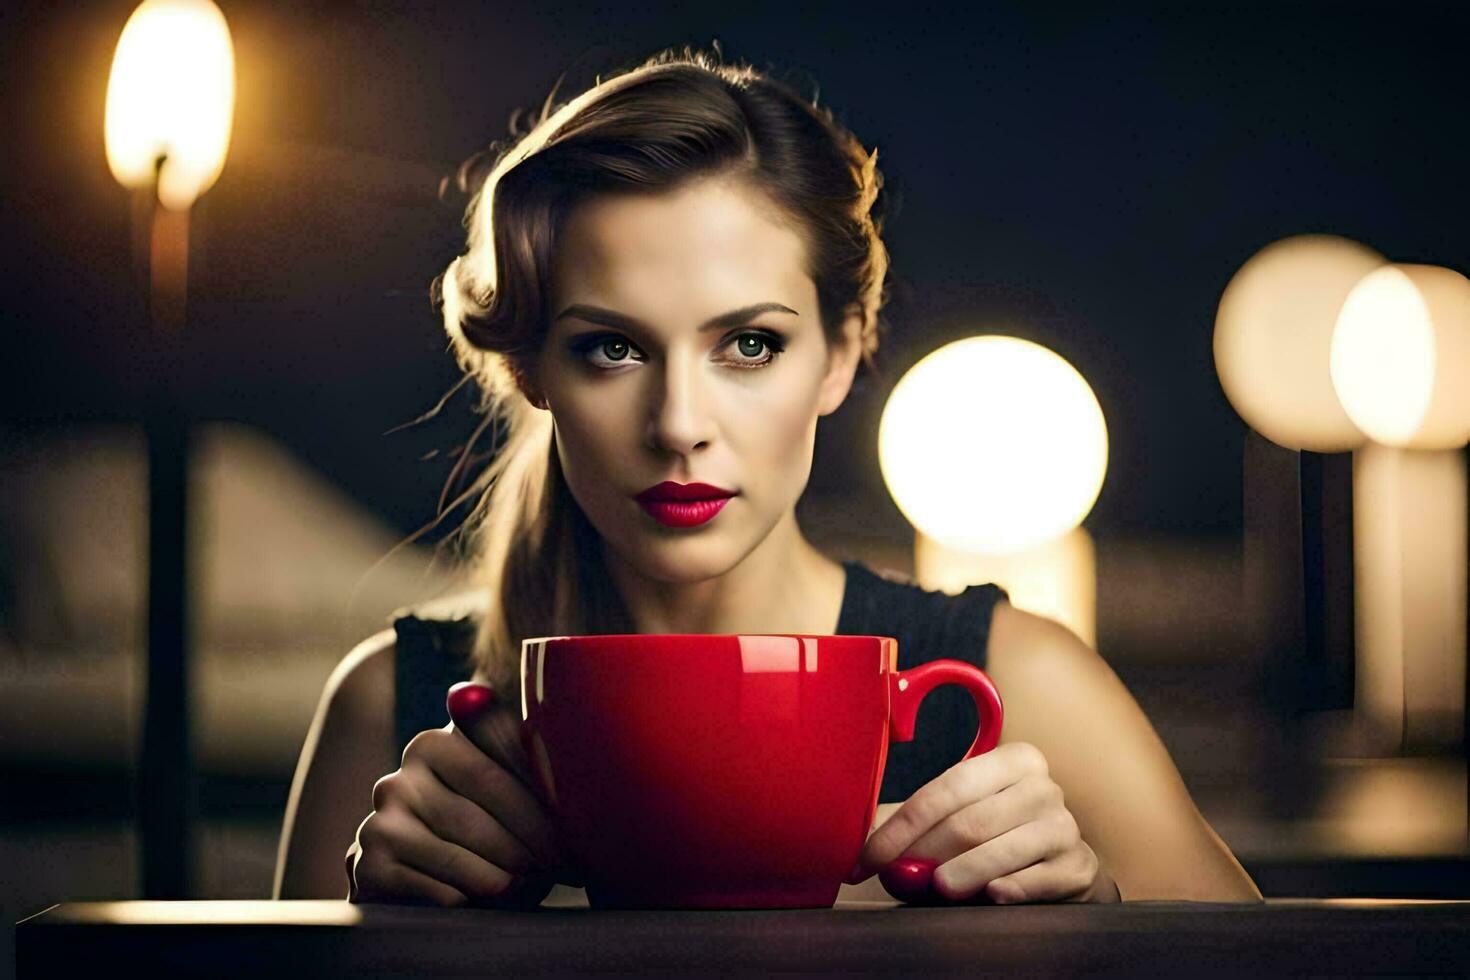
[614, 349]
[748, 347]
[753, 343]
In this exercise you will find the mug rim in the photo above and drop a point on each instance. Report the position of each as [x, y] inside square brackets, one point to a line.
[706, 636]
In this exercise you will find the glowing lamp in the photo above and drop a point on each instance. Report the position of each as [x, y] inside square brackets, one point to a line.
[170, 106]
[170, 99]
[1273, 334]
[1401, 365]
[1401, 356]
[993, 444]
[995, 449]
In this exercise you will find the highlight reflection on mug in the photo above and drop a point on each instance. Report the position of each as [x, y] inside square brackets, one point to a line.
[770, 691]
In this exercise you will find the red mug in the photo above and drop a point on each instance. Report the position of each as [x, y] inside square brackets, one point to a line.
[723, 771]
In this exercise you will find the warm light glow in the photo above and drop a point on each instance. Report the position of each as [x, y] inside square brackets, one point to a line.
[1409, 558]
[171, 95]
[993, 445]
[1383, 356]
[1400, 356]
[1393, 808]
[1056, 579]
[1273, 335]
[220, 912]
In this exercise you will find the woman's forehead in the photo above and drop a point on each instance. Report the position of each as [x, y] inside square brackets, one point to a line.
[704, 236]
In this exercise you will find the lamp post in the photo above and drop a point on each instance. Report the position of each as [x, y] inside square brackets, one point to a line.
[995, 449]
[1321, 344]
[170, 107]
[1400, 363]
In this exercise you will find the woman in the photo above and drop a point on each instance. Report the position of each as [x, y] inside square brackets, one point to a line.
[668, 280]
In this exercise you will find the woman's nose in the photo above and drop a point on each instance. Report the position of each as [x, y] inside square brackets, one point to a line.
[680, 421]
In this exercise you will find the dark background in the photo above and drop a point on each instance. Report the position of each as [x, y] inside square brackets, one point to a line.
[1086, 178]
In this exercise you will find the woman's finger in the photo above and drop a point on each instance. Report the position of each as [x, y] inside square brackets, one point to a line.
[493, 727]
[462, 767]
[415, 847]
[377, 878]
[952, 790]
[1046, 881]
[1021, 847]
[456, 819]
[985, 819]
[467, 701]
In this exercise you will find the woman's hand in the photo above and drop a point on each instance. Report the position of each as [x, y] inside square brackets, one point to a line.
[994, 823]
[457, 823]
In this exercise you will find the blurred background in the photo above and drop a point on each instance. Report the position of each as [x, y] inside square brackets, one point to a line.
[1086, 179]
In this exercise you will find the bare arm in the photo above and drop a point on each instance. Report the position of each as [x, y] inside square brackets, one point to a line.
[1118, 779]
[349, 747]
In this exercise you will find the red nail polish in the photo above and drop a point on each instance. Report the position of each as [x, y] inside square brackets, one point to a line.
[466, 701]
[910, 880]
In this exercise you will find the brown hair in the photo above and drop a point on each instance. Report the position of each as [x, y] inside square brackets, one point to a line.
[677, 116]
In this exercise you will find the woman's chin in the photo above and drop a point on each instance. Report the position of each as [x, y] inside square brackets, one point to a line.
[676, 562]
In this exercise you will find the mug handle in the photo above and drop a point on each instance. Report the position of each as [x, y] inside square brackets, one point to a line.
[908, 688]
[911, 880]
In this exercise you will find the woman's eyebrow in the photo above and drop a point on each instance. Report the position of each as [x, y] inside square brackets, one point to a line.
[612, 318]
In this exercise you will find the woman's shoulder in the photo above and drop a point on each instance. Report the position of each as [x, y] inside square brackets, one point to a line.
[361, 685]
[1027, 649]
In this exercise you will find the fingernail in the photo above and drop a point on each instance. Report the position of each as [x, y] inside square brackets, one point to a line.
[466, 701]
[909, 879]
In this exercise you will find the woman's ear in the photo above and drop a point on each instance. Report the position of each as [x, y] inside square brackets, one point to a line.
[843, 355]
[525, 377]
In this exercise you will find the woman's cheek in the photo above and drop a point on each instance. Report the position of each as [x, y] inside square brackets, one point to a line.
[795, 441]
[586, 469]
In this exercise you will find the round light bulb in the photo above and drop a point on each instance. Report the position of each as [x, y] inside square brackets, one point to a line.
[1400, 356]
[993, 445]
[171, 97]
[1273, 335]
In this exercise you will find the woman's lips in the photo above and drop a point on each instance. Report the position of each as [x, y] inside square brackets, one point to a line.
[675, 504]
[683, 492]
[686, 514]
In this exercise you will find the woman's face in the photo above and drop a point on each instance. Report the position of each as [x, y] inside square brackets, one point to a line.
[649, 377]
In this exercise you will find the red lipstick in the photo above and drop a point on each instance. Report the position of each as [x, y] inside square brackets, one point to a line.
[683, 504]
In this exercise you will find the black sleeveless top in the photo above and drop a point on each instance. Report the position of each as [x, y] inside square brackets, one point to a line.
[433, 652]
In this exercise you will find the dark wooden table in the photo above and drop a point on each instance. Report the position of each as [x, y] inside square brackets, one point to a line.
[289, 939]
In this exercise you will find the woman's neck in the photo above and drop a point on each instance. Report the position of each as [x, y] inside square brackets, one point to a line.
[784, 586]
